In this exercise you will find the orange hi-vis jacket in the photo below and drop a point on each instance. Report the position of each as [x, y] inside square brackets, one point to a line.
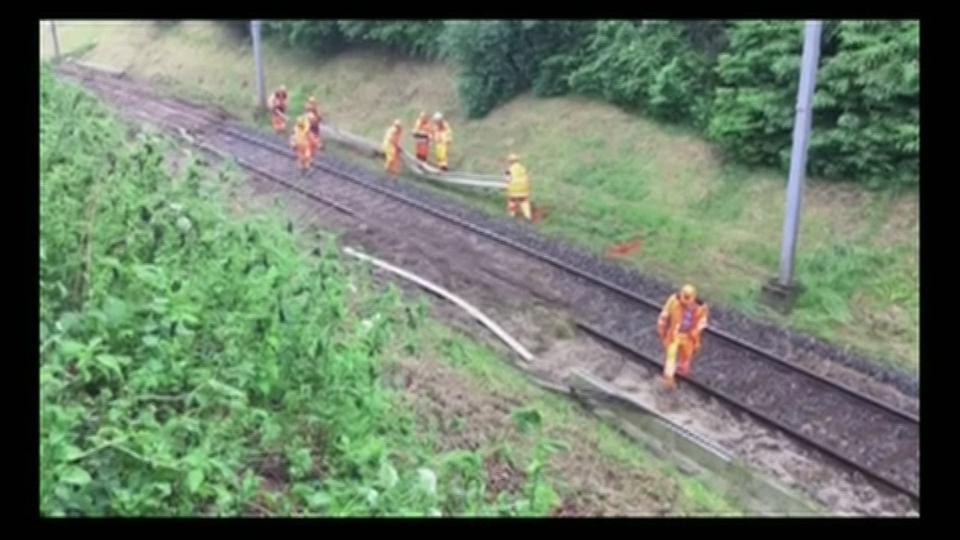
[301, 133]
[518, 183]
[423, 127]
[391, 139]
[314, 118]
[277, 103]
[675, 319]
[443, 134]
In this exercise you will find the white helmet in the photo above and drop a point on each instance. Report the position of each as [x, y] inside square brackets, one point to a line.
[438, 116]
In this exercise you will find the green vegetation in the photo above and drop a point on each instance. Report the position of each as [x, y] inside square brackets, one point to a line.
[605, 175]
[738, 79]
[194, 362]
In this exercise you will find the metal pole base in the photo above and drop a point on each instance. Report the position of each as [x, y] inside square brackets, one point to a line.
[780, 297]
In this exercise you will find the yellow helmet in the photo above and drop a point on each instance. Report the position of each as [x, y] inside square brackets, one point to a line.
[312, 100]
[513, 158]
[688, 293]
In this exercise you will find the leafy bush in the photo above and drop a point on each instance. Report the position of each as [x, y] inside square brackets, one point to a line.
[868, 105]
[197, 363]
[649, 66]
[417, 38]
[322, 36]
[866, 109]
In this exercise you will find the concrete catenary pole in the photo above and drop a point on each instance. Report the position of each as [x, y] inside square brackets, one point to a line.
[261, 91]
[56, 42]
[798, 157]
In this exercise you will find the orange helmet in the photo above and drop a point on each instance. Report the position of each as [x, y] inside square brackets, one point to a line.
[688, 293]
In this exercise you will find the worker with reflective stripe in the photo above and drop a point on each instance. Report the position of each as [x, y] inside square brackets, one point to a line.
[422, 133]
[442, 138]
[314, 116]
[301, 142]
[278, 109]
[682, 321]
[391, 147]
[518, 188]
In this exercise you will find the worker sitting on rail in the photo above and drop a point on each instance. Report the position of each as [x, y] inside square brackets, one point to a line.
[302, 143]
[422, 133]
[278, 109]
[442, 137]
[518, 188]
[314, 116]
[683, 319]
[391, 147]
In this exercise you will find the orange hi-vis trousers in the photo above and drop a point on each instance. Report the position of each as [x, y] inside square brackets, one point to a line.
[422, 146]
[304, 156]
[279, 123]
[315, 142]
[441, 150]
[523, 203]
[392, 164]
[684, 346]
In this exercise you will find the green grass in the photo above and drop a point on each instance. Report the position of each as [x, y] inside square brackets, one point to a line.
[606, 176]
[564, 421]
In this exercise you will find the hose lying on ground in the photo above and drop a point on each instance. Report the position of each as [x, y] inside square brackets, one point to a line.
[474, 312]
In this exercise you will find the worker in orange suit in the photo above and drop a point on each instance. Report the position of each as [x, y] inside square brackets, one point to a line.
[278, 109]
[301, 142]
[681, 323]
[442, 138]
[391, 147]
[518, 188]
[422, 133]
[313, 114]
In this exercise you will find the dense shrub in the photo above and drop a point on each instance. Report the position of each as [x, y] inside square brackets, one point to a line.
[735, 81]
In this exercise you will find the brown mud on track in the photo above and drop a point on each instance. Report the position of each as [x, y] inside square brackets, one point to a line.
[536, 303]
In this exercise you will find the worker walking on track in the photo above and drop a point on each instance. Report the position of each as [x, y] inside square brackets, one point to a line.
[422, 134]
[442, 138]
[313, 114]
[391, 147]
[278, 109]
[302, 143]
[682, 321]
[518, 188]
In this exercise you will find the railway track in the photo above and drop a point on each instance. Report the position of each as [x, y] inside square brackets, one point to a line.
[874, 438]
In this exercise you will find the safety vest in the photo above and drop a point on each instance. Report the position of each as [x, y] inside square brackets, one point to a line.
[676, 319]
[277, 103]
[391, 138]
[518, 183]
[444, 135]
[422, 129]
[300, 134]
[314, 117]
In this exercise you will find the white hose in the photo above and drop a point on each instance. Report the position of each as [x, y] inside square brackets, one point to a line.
[419, 168]
[474, 312]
